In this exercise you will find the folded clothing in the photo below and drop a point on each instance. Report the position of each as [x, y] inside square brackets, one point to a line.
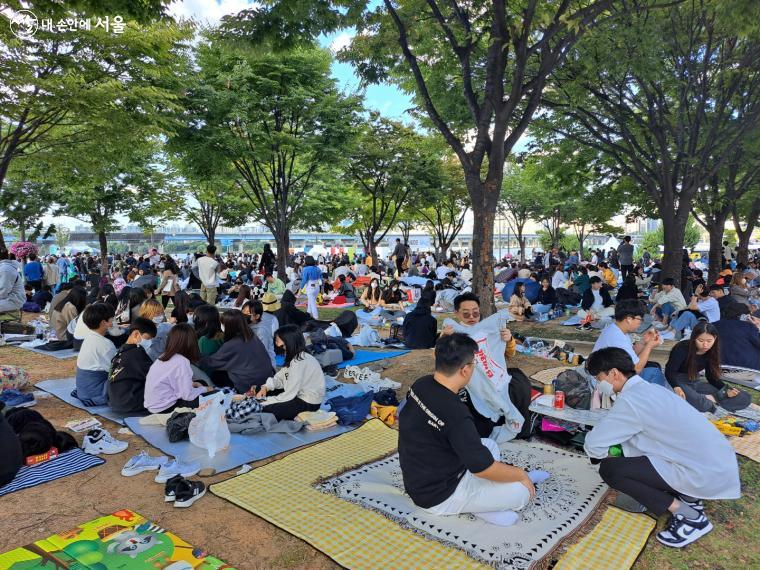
[318, 417]
[323, 425]
[242, 409]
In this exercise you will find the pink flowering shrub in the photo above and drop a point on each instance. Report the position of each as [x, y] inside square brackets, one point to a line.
[22, 249]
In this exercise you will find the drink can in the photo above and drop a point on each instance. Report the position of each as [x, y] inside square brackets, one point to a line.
[559, 400]
[548, 389]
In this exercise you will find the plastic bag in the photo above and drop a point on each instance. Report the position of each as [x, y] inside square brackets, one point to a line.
[208, 429]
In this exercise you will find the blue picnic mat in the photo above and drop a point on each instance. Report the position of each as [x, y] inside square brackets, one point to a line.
[361, 357]
[61, 389]
[64, 465]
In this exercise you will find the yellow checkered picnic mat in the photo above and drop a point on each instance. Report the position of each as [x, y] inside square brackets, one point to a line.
[614, 543]
[282, 492]
[748, 445]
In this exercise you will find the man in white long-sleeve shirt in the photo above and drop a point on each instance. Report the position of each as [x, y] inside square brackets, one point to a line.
[208, 267]
[672, 456]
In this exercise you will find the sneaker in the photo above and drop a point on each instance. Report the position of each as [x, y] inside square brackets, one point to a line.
[667, 335]
[584, 327]
[142, 462]
[696, 504]
[170, 489]
[681, 531]
[175, 467]
[187, 492]
[15, 399]
[100, 441]
[660, 326]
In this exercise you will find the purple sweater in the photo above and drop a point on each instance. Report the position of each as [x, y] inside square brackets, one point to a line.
[168, 382]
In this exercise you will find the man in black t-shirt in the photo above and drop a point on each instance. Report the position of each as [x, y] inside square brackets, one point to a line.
[447, 468]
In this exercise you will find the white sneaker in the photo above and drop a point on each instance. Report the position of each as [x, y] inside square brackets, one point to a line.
[175, 467]
[660, 326]
[142, 462]
[667, 335]
[100, 441]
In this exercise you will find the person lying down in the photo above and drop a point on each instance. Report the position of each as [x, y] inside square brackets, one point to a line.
[447, 468]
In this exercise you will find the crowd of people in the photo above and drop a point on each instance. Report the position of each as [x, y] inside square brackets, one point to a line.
[231, 316]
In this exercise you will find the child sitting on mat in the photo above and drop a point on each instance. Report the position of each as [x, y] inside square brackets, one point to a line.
[94, 359]
[129, 368]
[169, 383]
[672, 456]
[300, 385]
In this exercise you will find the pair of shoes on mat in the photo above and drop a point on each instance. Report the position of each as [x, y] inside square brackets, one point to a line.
[183, 492]
[166, 468]
[15, 399]
[99, 441]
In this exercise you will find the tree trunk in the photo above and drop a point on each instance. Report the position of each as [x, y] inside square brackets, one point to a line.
[743, 236]
[2, 240]
[521, 242]
[103, 240]
[282, 240]
[716, 248]
[673, 230]
[372, 247]
[211, 235]
[484, 210]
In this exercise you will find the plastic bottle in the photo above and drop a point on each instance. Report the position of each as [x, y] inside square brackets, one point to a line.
[38, 329]
[686, 333]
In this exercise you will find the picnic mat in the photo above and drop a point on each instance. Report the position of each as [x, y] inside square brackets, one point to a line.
[549, 375]
[242, 448]
[59, 354]
[362, 519]
[743, 376]
[122, 540]
[61, 389]
[361, 357]
[748, 445]
[331, 305]
[615, 542]
[65, 464]
[582, 417]
[751, 412]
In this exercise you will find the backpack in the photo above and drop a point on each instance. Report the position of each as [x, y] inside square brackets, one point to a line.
[576, 388]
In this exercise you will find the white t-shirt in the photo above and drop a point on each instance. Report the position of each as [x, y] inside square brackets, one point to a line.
[613, 336]
[207, 267]
[558, 280]
[710, 308]
[598, 303]
[96, 352]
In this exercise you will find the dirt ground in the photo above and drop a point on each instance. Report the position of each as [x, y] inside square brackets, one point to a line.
[224, 530]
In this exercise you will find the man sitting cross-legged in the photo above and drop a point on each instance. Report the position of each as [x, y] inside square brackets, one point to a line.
[447, 468]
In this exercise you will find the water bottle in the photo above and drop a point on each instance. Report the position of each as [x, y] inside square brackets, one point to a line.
[38, 329]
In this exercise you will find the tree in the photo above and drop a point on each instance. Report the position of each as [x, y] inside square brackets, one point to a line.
[661, 94]
[281, 122]
[654, 239]
[714, 203]
[747, 211]
[519, 193]
[62, 236]
[23, 205]
[213, 203]
[386, 164]
[50, 76]
[477, 71]
[444, 206]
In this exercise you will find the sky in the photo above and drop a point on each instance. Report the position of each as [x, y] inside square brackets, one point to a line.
[390, 101]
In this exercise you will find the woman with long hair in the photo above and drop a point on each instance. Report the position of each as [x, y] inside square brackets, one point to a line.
[299, 386]
[67, 310]
[519, 306]
[243, 296]
[137, 297]
[169, 383]
[179, 313]
[266, 265]
[392, 302]
[242, 361]
[701, 353]
[169, 285]
[208, 327]
[547, 298]
[740, 290]
[372, 295]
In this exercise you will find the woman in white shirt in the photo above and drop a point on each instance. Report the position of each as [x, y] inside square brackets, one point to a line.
[300, 385]
[673, 458]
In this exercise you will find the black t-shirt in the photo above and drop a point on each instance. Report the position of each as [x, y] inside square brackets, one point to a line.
[437, 443]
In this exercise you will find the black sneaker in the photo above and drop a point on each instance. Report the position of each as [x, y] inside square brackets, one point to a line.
[188, 492]
[681, 531]
[170, 489]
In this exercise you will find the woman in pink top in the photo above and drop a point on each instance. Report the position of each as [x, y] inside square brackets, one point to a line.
[169, 383]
